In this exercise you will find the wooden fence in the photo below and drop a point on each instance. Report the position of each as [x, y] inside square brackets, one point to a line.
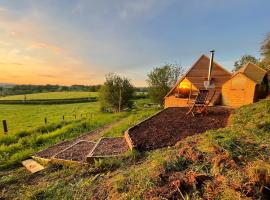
[46, 120]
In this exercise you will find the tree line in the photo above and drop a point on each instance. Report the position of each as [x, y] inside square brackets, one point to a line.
[30, 89]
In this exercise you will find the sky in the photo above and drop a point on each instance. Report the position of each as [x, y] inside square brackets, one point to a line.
[79, 41]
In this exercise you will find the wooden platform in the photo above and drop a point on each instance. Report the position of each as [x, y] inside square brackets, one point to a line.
[32, 166]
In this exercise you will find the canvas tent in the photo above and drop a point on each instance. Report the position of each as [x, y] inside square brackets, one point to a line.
[194, 80]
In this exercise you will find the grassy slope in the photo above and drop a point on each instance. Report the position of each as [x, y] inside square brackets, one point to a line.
[234, 162]
[51, 95]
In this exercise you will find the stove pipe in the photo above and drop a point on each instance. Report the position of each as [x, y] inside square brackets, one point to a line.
[210, 65]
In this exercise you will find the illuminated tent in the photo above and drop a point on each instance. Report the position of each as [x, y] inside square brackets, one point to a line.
[194, 80]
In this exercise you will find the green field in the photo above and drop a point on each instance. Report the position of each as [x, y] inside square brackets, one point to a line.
[28, 133]
[25, 117]
[51, 95]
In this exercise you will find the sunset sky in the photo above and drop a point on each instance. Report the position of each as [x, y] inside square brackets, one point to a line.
[79, 41]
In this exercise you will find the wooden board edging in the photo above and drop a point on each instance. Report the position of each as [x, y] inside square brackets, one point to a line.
[128, 140]
[66, 162]
[127, 135]
[90, 155]
[43, 161]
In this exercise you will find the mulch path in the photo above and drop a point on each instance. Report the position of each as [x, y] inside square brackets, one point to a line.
[172, 125]
[110, 147]
[77, 152]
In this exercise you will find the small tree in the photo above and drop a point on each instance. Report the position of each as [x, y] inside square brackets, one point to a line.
[265, 52]
[116, 93]
[161, 80]
[244, 60]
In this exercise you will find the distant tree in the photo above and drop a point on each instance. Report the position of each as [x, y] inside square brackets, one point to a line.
[244, 60]
[265, 52]
[116, 93]
[1, 91]
[161, 80]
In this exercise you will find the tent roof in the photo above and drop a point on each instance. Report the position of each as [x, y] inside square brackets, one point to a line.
[253, 72]
[186, 75]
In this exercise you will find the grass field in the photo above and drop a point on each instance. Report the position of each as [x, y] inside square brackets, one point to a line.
[51, 95]
[235, 158]
[25, 117]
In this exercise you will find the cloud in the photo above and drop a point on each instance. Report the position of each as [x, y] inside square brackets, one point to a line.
[11, 63]
[3, 10]
[138, 8]
[47, 75]
[46, 46]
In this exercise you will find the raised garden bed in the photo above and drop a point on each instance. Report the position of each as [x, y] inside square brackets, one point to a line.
[108, 147]
[55, 149]
[52, 150]
[76, 152]
[172, 125]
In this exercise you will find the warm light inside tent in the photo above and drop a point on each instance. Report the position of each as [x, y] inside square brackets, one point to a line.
[184, 85]
[184, 88]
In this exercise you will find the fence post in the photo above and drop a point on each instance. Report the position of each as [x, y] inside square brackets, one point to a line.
[45, 120]
[5, 126]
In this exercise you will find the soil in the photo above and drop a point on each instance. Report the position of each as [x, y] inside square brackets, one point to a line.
[110, 147]
[52, 150]
[172, 125]
[92, 135]
[77, 152]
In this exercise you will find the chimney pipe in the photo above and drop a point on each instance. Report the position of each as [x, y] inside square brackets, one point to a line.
[211, 66]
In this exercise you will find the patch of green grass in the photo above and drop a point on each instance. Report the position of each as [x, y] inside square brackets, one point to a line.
[28, 117]
[179, 164]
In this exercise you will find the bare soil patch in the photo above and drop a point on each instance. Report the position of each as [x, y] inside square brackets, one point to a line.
[77, 152]
[172, 125]
[110, 147]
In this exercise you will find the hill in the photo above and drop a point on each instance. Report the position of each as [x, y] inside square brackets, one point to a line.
[228, 163]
